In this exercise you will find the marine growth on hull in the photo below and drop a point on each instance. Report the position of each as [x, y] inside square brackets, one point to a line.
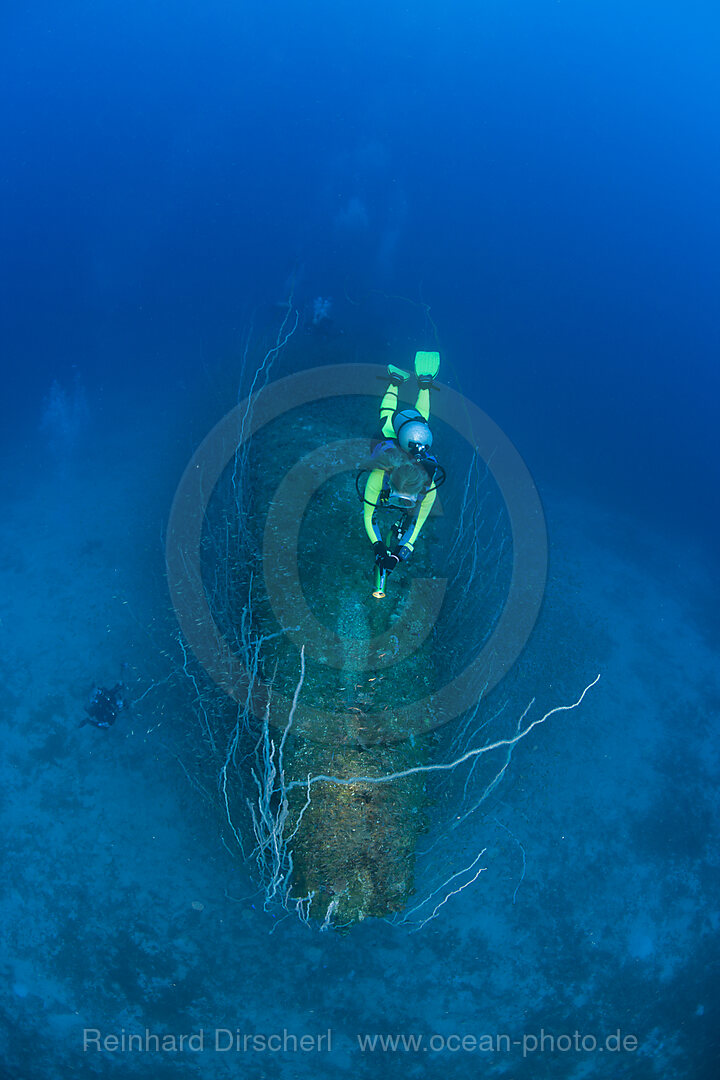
[321, 736]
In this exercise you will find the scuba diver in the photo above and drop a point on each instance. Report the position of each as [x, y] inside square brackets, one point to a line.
[403, 474]
[106, 704]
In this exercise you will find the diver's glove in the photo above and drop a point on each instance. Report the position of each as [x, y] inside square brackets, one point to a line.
[383, 558]
[402, 552]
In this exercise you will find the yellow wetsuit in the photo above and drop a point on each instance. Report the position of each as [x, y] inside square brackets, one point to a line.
[376, 485]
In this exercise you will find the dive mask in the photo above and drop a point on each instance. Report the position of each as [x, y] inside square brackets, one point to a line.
[400, 501]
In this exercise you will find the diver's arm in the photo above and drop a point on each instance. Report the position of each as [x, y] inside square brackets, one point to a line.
[373, 487]
[426, 506]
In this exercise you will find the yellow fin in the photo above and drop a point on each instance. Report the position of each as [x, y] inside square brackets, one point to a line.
[427, 363]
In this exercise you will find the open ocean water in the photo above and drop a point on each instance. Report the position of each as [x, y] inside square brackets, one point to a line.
[529, 186]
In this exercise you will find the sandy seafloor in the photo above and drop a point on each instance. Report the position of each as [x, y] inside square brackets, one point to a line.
[107, 846]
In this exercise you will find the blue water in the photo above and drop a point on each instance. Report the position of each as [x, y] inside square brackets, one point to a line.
[533, 187]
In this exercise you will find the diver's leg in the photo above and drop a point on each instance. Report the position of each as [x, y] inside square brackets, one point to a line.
[388, 408]
[389, 403]
[422, 404]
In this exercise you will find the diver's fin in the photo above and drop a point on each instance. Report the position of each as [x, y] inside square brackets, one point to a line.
[397, 376]
[427, 365]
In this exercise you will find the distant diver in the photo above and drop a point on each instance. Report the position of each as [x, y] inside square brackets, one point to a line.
[403, 474]
[322, 324]
[106, 704]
